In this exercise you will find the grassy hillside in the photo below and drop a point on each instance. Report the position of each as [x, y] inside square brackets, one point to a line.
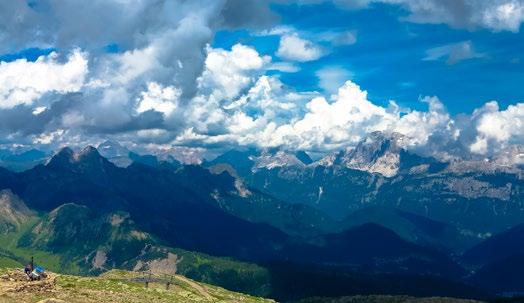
[112, 287]
[231, 274]
[10, 248]
[224, 272]
[8, 262]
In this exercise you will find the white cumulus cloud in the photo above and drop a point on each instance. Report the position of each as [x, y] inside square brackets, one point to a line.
[161, 99]
[329, 125]
[23, 81]
[292, 47]
[496, 128]
[505, 15]
[226, 73]
[418, 126]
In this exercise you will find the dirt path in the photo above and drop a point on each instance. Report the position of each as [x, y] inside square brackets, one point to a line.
[201, 290]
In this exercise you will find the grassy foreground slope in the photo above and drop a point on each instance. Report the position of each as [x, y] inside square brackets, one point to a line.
[112, 287]
[224, 272]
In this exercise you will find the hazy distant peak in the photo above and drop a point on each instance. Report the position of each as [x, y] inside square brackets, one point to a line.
[111, 149]
[65, 154]
[88, 151]
[280, 158]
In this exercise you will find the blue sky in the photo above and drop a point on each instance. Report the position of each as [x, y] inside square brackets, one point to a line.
[387, 58]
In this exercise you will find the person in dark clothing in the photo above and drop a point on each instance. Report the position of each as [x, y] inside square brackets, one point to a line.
[28, 269]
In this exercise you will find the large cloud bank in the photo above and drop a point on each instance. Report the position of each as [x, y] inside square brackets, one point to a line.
[165, 86]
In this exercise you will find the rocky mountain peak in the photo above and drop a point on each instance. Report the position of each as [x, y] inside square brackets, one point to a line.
[377, 144]
[89, 153]
[66, 152]
[86, 160]
[63, 156]
[111, 149]
[377, 153]
[270, 159]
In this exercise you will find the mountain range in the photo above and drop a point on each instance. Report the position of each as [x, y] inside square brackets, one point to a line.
[478, 197]
[366, 216]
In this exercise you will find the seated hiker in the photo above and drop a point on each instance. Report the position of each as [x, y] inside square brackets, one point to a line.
[28, 269]
[34, 272]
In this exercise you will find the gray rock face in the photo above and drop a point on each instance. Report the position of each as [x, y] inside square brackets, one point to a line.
[270, 160]
[376, 154]
[472, 188]
[13, 211]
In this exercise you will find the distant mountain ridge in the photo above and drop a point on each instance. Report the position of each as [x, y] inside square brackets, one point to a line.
[192, 208]
[377, 153]
[22, 160]
[380, 171]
